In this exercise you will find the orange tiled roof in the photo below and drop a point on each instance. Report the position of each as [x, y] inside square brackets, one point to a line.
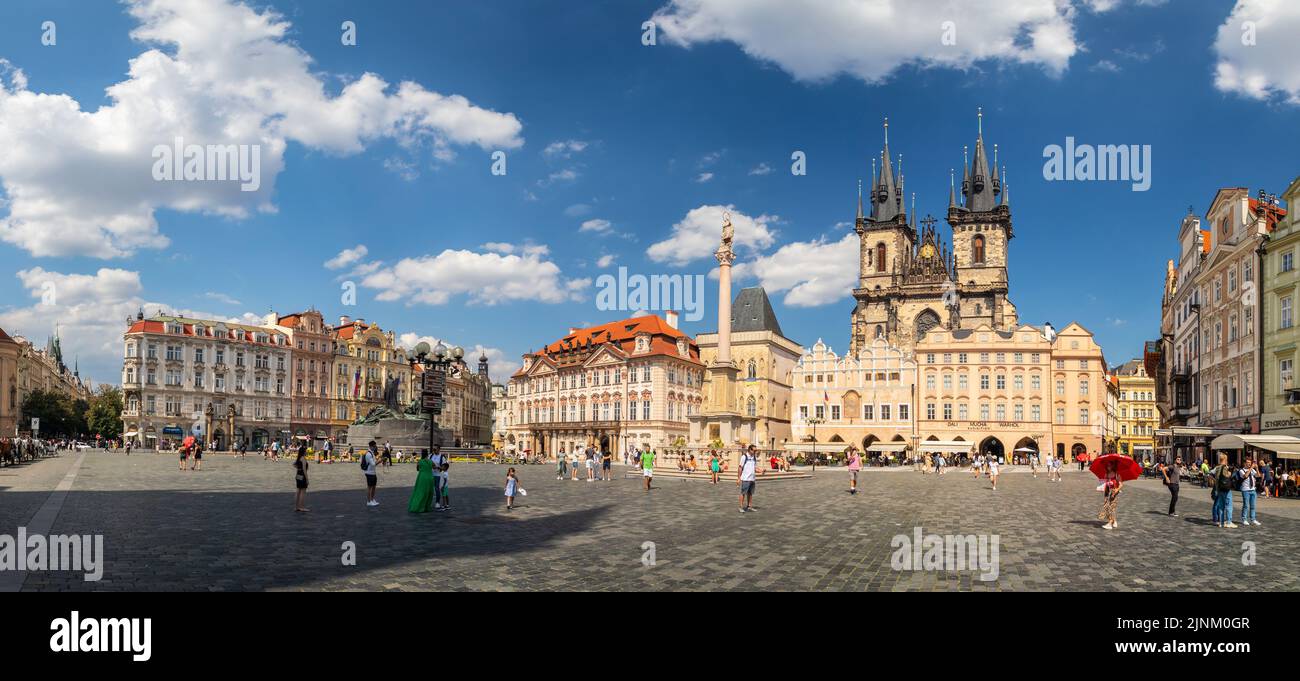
[621, 335]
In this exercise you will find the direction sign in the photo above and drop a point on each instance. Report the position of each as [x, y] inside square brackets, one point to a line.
[36, 424]
[433, 403]
[434, 381]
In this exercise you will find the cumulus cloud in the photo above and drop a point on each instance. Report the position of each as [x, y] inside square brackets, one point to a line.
[819, 39]
[703, 177]
[522, 273]
[605, 261]
[597, 225]
[697, 235]
[811, 273]
[346, 257]
[564, 149]
[80, 182]
[1257, 51]
[761, 169]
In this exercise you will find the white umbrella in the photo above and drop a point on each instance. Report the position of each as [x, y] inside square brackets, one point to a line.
[1026, 449]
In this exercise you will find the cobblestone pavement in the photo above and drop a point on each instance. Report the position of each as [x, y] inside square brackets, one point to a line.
[231, 526]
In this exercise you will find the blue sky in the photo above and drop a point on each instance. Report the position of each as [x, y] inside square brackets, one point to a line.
[597, 126]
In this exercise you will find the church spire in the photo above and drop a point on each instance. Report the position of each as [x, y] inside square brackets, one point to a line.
[979, 194]
[887, 195]
[859, 200]
[952, 189]
[1006, 190]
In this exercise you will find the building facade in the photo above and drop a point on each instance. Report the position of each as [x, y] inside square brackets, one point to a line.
[367, 363]
[466, 418]
[624, 384]
[764, 358]
[311, 375]
[26, 368]
[1281, 293]
[9, 402]
[224, 383]
[1138, 418]
[866, 400]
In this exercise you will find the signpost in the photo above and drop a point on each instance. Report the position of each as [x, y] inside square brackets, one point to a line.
[36, 426]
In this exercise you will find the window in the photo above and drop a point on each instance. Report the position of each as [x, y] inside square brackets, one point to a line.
[868, 412]
[1035, 413]
[977, 249]
[963, 412]
[1060, 416]
[929, 382]
[947, 411]
[1286, 320]
[1288, 261]
[984, 381]
[880, 257]
[1001, 382]
[1286, 373]
[984, 412]
[929, 410]
[904, 412]
[1083, 388]
[1083, 416]
[803, 411]
[884, 412]
[835, 410]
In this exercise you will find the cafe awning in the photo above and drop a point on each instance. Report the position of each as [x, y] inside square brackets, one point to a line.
[1285, 446]
[1192, 431]
[946, 446]
[887, 447]
[130, 434]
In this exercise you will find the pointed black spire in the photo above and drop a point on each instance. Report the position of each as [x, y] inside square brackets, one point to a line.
[859, 200]
[887, 193]
[952, 189]
[979, 195]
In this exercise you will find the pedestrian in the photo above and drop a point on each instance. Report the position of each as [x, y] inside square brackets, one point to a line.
[512, 488]
[437, 461]
[648, 467]
[368, 464]
[1033, 464]
[1205, 473]
[300, 482]
[993, 471]
[243, 450]
[561, 464]
[388, 454]
[1221, 475]
[606, 459]
[1171, 481]
[440, 480]
[715, 466]
[198, 457]
[747, 478]
[573, 465]
[855, 465]
[939, 463]
[1247, 480]
[591, 462]
[1111, 485]
[185, 454]
[422, 494]
[1266, 476]
[128, 448]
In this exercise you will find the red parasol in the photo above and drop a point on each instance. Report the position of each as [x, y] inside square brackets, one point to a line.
[1127, 468]
[188, 442]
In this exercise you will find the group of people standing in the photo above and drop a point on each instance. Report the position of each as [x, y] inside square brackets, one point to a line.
[597, 464]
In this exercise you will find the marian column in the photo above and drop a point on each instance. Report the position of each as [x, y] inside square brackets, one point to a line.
[725, 256]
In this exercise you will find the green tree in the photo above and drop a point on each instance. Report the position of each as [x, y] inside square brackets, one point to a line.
[105, 415]
[55, 410]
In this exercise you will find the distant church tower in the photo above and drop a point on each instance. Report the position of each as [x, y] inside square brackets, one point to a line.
[483, 365]
[910, 282]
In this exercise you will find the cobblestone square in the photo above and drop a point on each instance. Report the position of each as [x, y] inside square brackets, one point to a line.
[231, 526]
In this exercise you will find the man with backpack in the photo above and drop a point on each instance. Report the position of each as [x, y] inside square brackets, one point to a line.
[747, 478]
[368, 462]
[1222, 483]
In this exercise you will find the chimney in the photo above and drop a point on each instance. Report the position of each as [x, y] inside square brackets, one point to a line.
[344, 320]
[671, 317]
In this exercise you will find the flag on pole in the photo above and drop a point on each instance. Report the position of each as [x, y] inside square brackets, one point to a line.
[356, 383]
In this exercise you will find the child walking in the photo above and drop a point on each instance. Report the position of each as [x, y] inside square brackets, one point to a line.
[512, 488]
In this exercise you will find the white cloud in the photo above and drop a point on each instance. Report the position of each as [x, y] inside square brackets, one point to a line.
[761, 169]
[1105, 65]
[818, 39]
[577, 210]
[346, 257]
[487, 278]
[812, 273]
[597, 225]
[221, 298]
[605, 261]
[703, 177]
[1267, 68]
[563, 175]
[79, 182]
[698, 234]
[564, 149]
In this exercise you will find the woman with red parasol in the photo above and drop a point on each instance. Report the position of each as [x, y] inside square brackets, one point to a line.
[1113, 469]
[186, 444]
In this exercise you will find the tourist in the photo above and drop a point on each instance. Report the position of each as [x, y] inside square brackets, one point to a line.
[436, 461]
[1111, 485]
[512, 488]
[1221, 475]
[368, 464]
[606, 460]
[855, 465]
[275, 450]
[1247, 479]
[300, 481]
[573, 464]
[589, 458]
[939, 463]
[197, 465]
[1265, 476]
[388, 454]
[441, 482]
[976, 463]
[128, 447]
[561, 464]
[422, 494]
[243, 450]
[648, 467]
[1033, 464]
[1205, 473]
[1170, 474]
[747, 478]
[185, 454]
[715, 466]
[993, 471]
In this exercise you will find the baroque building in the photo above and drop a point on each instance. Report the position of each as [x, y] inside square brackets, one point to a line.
[367, 363]
[1137, 411]
[310, 374]
[24, 369]
[631, 383]
[865, 400]
[909, 281]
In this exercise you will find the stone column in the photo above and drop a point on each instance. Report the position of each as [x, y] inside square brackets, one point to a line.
[725, 257]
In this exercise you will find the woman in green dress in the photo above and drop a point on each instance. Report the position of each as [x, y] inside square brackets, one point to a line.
[422, 494]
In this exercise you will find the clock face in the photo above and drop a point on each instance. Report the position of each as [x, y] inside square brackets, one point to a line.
[927, 251]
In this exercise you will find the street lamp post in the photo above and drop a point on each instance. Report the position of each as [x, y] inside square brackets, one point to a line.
[814, 421]
[442, 357]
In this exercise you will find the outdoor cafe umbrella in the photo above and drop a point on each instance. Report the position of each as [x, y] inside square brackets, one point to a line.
[1127, 468]
[1025, 449]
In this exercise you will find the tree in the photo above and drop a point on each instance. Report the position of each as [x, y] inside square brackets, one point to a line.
[54, 409]
[105, 415]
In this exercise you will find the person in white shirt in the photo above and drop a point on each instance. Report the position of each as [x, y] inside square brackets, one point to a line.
[993, 471]
[438, 460]
[368, 461]
[747, 478]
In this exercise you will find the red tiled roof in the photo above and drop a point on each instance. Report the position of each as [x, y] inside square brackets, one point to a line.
[622, 335]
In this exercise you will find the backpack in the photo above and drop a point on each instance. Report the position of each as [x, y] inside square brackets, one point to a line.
[1223, 483]
[636, 458]
[363, 462]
